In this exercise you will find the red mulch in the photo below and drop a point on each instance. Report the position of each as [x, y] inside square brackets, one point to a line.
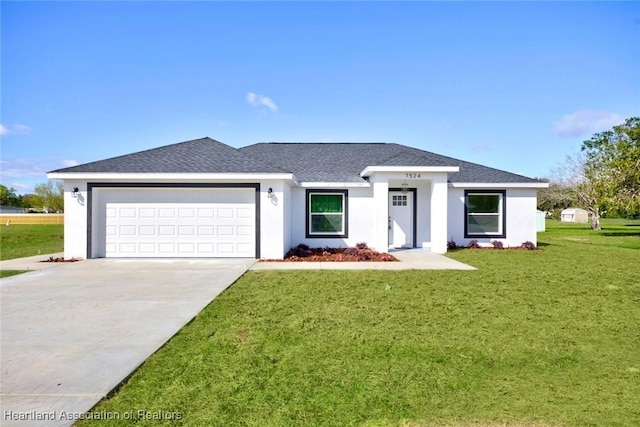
[60, 259]
[303, 253]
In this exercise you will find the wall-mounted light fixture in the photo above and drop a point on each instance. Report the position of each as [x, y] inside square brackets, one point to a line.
[404, 186]
[74, 193]
[270, 192]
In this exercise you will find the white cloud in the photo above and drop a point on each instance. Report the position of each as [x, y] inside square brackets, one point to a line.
[261, 101]
[586, 122]
[21, 188]
[17, 129]
[20, 168]
[24, 174]
[21, 128]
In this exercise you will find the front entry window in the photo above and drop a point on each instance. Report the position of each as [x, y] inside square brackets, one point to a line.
[400, 200]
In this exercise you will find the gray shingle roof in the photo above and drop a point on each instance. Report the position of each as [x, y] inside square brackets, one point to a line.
[343, 162]
[309, 162]
[203, 155]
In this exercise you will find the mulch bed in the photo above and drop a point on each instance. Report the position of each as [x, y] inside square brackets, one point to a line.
[473, 244]
[60, 259]
[360, 253]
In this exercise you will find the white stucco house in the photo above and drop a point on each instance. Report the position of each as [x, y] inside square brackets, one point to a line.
[202, 198]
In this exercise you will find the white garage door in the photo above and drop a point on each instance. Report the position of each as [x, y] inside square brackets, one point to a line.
[180, 229]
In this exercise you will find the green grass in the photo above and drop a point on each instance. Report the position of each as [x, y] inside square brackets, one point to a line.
[547, 337]
[17, 241]
[7, 273]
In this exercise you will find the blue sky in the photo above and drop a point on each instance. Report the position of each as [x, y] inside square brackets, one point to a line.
[512, 85]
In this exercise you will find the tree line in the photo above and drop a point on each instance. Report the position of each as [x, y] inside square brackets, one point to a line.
[603, 178]
[47, 197]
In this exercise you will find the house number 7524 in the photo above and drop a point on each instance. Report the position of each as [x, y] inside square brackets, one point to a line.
[413, 175]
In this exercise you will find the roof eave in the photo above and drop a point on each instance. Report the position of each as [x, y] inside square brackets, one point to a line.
[313, 184]
[161, 176]
[370, 170]
[499, 184]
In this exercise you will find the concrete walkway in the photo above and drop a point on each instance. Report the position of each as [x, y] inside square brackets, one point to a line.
[31, 263]
[409, 259]
[71, 333]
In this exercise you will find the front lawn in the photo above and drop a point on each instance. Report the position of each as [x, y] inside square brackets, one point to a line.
[17, 240]
[544, 338]
[8, 273]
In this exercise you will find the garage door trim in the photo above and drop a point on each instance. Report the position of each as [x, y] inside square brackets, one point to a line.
[92, 185]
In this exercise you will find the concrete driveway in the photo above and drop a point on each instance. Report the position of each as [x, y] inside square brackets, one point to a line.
[73, 332]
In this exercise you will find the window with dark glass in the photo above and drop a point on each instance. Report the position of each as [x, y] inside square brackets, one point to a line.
[484, 213]
[326, 213]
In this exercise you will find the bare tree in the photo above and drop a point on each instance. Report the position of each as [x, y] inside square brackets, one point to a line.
[576, 182]
[553, 198]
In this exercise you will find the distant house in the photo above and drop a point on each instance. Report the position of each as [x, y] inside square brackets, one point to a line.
[11, 210]
[574, 215]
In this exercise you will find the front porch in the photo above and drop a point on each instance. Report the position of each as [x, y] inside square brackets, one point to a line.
[410, 208]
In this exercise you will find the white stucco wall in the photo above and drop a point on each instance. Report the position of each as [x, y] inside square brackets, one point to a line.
[75, 220]
[439, 215]
[521, 217]
[522, 222]
[379, 212]
[362, 220]
[287, 217]
[272, 220]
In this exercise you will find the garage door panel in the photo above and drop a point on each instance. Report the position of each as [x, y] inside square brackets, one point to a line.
[245, 230]
[127, 248]
[206, 212]
[225, 230]
[128, 230]
[166, 248]
[186, 213]
[166, 230]
[245, 213]
[226, 248]
[148, 230]
[180, 229]
[186, 249]
[147, 248]
[127, 212]
[206, 248]
[147, 212]
[225, 213]
[166, 213]
[205, 230]
[186, 230]
[245, 248]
